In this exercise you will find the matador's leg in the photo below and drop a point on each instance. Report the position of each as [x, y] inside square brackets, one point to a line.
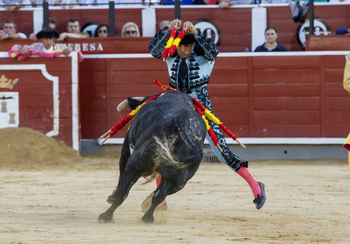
[226, 156]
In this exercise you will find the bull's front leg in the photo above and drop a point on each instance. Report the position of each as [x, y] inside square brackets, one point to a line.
[159, 195]
[128, 180]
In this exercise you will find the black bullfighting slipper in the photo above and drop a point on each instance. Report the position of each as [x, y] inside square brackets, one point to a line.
[260, 200]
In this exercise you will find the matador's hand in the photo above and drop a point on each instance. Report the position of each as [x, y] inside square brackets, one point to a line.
[189, 27]
[175, 23]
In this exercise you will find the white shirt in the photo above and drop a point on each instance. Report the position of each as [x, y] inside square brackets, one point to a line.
[23, 36]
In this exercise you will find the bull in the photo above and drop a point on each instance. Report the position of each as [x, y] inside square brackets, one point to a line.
[166, 137]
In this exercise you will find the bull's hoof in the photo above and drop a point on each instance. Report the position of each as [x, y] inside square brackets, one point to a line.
[148, 219]
[162, 207]
[147, 202]
[104, 218]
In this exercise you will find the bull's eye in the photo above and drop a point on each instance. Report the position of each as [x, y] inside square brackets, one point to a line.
[176, 129]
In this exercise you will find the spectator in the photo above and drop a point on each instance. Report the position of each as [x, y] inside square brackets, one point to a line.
[52, 24]
[73, 28]
[342, 31]
[163, 24]
[36, 3]
[46, 48]
[270, 45]
[15, 5]
[130, 29]
[102, 31]
[46, 36]
[10, 31]
[228, 3]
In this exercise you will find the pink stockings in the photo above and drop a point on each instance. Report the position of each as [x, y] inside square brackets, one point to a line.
[244, 173]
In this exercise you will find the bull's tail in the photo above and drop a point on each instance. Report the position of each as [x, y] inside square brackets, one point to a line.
[183, 125]
[179, 161]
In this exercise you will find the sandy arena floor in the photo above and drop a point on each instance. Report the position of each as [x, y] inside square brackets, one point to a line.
[48, 194]
[308, 201]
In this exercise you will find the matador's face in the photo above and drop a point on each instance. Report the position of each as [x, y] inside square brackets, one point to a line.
[184, 50]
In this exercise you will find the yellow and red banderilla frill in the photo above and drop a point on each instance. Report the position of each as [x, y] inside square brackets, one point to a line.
[173, 42]
[120, 125]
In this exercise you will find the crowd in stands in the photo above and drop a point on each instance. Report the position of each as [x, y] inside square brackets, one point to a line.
[8, 29]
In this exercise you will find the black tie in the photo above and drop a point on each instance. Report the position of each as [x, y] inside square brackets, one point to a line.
[183, 68]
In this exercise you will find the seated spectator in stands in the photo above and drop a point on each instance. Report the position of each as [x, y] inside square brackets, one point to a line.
[270, 45]
[52, 24]
[342, 31]
[102, 31]
[10, 31]
[228, 3]
[130, 29]
[45, 48]
[39, 3]
[15, 5]
[73, 28]
[163, 24]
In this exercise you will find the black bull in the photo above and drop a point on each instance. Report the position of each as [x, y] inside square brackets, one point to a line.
[166, 136]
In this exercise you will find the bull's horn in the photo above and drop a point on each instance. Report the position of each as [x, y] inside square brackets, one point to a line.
[124, 104]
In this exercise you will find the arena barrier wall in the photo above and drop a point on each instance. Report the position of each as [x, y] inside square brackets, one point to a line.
[41, 94]
[282, 98]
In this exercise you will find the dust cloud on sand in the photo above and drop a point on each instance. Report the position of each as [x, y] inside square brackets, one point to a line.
[48, 194]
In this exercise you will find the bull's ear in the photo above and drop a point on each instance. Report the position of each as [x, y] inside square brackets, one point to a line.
[133, 103]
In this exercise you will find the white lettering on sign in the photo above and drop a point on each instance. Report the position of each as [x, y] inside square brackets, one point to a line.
[92, 47]
[77, 46]
[99, 48]
[86, 47]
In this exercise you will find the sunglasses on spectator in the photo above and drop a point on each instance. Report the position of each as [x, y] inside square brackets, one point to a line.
[102, 31]
[130, 32]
